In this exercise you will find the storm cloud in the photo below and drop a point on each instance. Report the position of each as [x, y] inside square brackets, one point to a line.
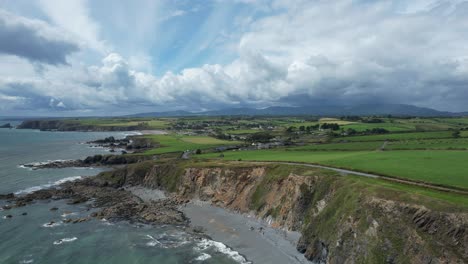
[33, 40]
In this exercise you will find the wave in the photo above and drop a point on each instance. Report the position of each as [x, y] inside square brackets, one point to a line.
[51, 224]
[65, 240]
[203, 257]
[205, 244]
[167, 240]
[153, 241]
[48, 185]
[26, 261]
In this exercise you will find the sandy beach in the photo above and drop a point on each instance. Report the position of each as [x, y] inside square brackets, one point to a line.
[249, 236]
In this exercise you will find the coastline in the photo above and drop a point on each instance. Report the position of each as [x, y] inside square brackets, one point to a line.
[251, 237]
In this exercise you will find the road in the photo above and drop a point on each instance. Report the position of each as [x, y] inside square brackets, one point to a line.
[375, 176]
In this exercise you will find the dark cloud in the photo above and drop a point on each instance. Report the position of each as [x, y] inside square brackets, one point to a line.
[33, 40]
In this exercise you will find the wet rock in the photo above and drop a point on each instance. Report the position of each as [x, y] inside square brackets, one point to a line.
[8, 216]
[80, 220]
[6, 207]
[317, 252]
[53, 209]
[7, 196]
[77, 200]
[24, 213]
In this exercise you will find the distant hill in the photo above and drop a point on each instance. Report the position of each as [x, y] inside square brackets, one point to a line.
[315, 110]
[163, 114]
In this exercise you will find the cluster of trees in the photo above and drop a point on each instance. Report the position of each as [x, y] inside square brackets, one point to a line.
[377, 131]
[262, 137]
[332, 126]
[351, 132]
[308, 129]
[373, 120]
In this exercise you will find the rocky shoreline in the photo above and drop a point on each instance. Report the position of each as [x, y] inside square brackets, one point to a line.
[113, 204]
[365, 224]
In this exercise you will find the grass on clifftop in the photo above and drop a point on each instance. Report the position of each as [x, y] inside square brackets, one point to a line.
[438, 167]
[438, 200]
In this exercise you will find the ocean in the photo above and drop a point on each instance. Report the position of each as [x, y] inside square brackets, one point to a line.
[35, 234]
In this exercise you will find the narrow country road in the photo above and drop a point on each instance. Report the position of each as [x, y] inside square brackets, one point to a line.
[375, 176]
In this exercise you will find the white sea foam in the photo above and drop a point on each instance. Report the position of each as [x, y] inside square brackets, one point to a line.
[205, 244]
[67, 214]
[48, 185]
[203, 257]
[51, 224]
[26, 261]
[65, 240]
[167, 240]
[153, 241]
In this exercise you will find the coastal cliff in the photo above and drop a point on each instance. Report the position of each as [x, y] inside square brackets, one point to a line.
[71, 125]
[342, 219]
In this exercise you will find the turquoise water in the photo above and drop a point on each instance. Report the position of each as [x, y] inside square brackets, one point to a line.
[28, 238]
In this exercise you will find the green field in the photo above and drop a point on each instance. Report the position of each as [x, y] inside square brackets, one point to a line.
[434, 144]
[392, 127]
[437, 167]
[177, 143]
[371, 145]
[400, 136]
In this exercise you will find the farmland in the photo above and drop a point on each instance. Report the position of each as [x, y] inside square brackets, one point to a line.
[176, 143]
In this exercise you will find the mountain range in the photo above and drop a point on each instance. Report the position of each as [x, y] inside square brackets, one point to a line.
[314, 110]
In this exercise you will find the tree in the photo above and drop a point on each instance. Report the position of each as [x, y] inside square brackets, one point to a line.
[456, 134]
[290, 129]
[302, 128]
[198, 151]
[332, 126]
[262, 137]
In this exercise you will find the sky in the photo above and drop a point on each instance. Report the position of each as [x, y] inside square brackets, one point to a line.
[79, 57]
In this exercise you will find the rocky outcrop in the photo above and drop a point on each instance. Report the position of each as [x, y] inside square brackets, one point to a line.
[113, 203]
[95, 161]
[7, 125]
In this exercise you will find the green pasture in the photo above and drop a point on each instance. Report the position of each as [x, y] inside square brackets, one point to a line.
[442, 167]
[178, 143]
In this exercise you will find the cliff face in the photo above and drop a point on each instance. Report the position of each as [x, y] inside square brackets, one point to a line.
[339, 221]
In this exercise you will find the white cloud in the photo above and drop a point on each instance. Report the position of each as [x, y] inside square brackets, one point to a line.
[74, 16]
[340, 52]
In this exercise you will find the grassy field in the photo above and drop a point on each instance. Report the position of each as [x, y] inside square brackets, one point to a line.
[437, 167]
[433, 144]
[400, 136]
[176, 143]
[371, 145]
[392, 127]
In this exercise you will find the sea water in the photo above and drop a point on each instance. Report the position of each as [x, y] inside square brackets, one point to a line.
[35, 234]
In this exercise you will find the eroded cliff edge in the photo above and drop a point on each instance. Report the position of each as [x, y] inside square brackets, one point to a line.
[342, 219]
